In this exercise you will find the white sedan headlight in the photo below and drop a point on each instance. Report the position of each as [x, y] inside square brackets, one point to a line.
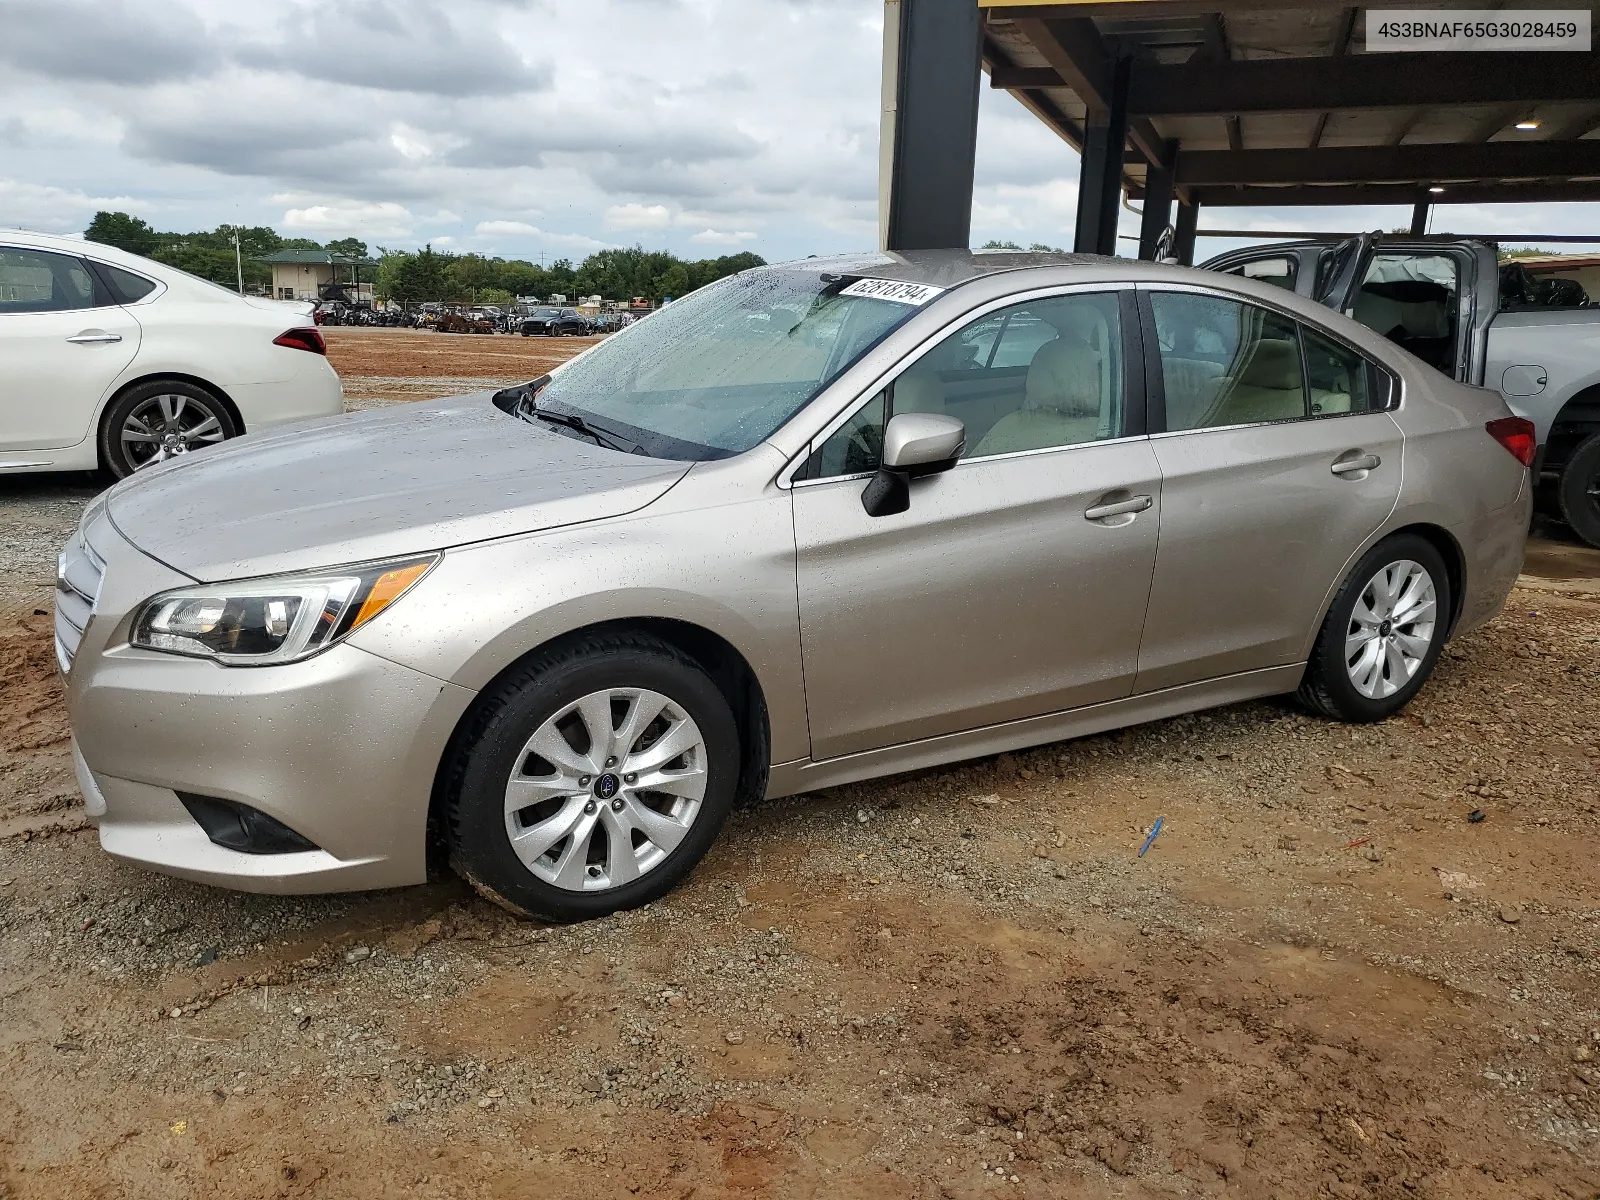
[263, 622]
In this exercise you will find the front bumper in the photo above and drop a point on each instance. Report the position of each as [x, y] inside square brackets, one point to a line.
[342, 748]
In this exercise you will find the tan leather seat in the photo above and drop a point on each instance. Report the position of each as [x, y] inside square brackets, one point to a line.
[1068, 382]
[1192, 385]
[1271, 388]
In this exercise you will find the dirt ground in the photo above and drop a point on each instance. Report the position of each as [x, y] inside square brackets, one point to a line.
[1324, 979]
[385, 365]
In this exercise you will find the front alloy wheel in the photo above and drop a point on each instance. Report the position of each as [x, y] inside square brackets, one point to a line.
[591, 778]
[606, 789]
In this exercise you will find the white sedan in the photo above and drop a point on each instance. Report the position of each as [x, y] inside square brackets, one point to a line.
[111, 360]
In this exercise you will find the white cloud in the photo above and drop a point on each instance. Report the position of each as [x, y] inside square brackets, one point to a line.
[521, 228]
[384, 219]
[469, 119]
[25, 205]
[713, 237]
[638, 216]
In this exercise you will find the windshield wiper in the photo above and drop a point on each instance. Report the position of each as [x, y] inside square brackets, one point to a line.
[602, 437]
[521, 401]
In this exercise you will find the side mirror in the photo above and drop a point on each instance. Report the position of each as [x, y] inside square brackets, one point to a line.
[914, 445]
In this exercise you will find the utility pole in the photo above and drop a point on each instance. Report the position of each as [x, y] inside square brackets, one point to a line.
[238, 259]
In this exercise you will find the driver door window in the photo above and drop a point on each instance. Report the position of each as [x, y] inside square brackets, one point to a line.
[1034, 376]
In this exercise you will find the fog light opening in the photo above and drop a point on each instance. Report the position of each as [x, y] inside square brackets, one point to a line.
[235, 826]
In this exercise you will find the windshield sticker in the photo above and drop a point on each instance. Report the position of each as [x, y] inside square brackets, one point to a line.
[891, 289]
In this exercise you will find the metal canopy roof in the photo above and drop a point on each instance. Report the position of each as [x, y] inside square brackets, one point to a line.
[1274, 102]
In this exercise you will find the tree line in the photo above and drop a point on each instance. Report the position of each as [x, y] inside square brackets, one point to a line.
[411, 277]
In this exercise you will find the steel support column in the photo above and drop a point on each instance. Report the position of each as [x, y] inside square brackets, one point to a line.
[1157, 210]
[1419, 218]
[1188, 226]
[1105, 135]
[932, 53]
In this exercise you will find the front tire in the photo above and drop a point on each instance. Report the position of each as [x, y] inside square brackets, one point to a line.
[1579, 491]
[160, 420]
[1382, 635]
[592, 780]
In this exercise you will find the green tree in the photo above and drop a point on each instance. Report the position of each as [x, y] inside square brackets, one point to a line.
[410, 278]
[1000, 246]
[212, 262]
[350, 247]
[469, 275]
[122, 231]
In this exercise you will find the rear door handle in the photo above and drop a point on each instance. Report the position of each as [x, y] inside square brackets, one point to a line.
[90, 337]
[1349, 466]
[1122, 508]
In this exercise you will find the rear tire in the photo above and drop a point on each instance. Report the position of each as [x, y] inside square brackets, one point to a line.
[159, 420]
[549, 808]
[1382, 635]
[1579, 492]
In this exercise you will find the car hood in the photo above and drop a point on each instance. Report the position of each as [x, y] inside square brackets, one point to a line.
[373, 485]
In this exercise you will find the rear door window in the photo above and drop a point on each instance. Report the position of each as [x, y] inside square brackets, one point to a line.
[1225, 362]
[35, 281]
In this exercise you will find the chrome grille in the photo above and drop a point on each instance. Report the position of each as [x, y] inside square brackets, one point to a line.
[79, 571]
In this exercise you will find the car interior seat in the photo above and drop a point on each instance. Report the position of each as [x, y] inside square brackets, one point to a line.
[1270, 388]
[1069, 392]
[1415, 314]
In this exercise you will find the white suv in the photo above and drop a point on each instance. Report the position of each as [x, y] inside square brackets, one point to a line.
[111, 360]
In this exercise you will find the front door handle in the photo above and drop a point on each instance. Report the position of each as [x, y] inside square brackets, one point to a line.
[1120, 508]
[90, 337]
[1349, 466]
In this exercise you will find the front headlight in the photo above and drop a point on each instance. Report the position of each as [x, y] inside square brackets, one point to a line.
[262, 622]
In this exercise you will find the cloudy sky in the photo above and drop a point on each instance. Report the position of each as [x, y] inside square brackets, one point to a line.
[513, 127]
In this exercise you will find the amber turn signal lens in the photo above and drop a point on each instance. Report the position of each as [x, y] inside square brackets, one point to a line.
[386, 589]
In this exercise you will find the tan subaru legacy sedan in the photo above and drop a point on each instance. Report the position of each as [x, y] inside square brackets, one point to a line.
[812, 524]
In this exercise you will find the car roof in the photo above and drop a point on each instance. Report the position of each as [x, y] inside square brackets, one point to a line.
[949, 269]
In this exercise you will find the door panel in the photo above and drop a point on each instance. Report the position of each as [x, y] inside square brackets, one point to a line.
[1256, 527]
[994, 598]
[62, 345]
[50, 387]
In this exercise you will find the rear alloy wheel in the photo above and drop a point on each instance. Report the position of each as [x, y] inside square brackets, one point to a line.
[593, 780]
[1383, 634]
[1580, 491]
[157, 421]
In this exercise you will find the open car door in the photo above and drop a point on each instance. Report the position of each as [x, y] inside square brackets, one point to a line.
[1341, 271]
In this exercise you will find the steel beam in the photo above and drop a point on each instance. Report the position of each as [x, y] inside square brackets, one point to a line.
[1334, 84]
[1100, 170]
[1428, 162]
[1130, 9]
[1419, 218]
[1531, 192]
[1157, 210]
[1079, 56]
[1188, 228]
[929, 134]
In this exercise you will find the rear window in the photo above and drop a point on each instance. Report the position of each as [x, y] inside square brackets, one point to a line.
[125, 287]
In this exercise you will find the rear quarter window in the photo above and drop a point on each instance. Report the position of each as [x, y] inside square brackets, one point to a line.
[125, 286]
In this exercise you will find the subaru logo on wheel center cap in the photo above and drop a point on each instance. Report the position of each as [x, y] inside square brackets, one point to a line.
[607, 786]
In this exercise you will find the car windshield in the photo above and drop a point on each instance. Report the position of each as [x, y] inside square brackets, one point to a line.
[715, 373]
[546, 313]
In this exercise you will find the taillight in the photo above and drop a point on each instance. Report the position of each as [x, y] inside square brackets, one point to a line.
[305, 337]
[1518, 436]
